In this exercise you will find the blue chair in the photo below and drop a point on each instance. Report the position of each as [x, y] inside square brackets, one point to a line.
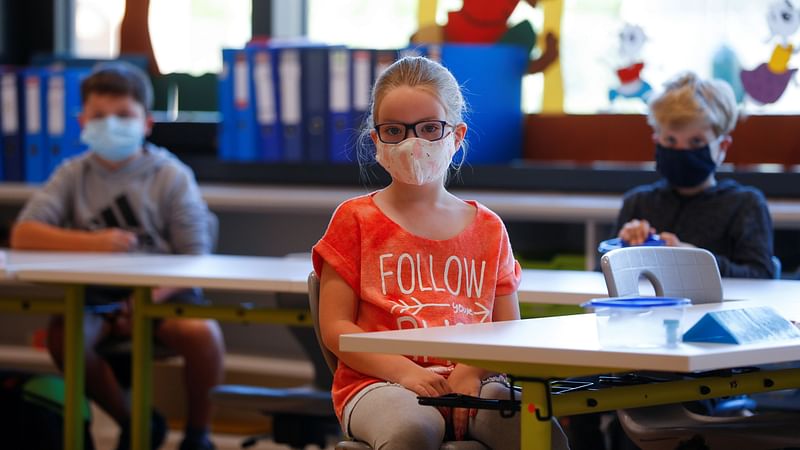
[300, 415]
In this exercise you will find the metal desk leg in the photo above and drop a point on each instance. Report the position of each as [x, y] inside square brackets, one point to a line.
[535, 432]
[73, 368]
[142, 389]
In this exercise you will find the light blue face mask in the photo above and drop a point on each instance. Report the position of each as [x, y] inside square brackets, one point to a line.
[113, 138]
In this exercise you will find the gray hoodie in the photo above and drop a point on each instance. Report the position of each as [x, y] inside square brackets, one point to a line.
[154, 196]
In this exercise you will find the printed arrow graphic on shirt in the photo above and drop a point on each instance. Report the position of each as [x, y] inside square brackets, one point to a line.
[414, 309]
[485, 312]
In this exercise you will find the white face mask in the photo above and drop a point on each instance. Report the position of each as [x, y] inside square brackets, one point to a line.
[416, 161]
[112, 138]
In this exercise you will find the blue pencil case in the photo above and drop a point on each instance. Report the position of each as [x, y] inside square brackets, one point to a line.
[612, 244]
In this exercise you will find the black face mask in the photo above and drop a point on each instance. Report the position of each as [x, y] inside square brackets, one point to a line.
[684, 168]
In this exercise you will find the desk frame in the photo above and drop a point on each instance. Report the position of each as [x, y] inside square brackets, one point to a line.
[74, 369]
[536, 433]
[144, 312]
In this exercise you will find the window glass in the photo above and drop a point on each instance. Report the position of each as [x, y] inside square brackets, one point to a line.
[97, 27]
[187, 35]
[679, 35]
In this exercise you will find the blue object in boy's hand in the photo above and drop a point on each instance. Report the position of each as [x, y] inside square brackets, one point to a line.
[652, 240]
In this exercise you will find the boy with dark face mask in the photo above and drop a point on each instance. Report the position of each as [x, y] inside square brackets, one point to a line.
[692, 121]
[126, 195]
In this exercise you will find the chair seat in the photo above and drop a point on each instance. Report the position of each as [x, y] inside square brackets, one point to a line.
[296, 400]
[452, 445]
[124, 348]
[663, 427]
[352, 445]
[786, 401]
[462, 445]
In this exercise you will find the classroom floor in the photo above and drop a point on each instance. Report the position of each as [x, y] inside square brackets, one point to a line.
[104, 432]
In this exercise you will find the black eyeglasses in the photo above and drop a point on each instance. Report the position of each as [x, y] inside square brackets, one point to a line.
[394, 132]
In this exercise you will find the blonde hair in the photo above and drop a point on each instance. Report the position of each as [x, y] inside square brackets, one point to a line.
[420, 73]
[687, 99]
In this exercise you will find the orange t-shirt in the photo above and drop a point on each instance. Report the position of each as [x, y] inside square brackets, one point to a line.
[406, 281]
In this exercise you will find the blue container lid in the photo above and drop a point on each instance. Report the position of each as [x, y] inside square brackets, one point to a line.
[637, 302]
[615, 243]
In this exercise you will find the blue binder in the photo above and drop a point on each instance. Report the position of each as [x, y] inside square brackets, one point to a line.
[237, 129]
[245, 118]
[263, 73]
[430, 51]
[2, 132]
[226, 130]
[314, 76]
[63, 107]
[381, 59]
[361, 87]
[11, 126]
[340, 121]
[291, 103]
[35, 138]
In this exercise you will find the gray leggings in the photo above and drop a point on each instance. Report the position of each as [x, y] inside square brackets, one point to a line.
[387, 416]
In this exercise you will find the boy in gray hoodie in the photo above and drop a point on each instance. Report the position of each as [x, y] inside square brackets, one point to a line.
[127, 195]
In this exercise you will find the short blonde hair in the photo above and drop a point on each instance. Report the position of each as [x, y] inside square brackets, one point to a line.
[687, 99]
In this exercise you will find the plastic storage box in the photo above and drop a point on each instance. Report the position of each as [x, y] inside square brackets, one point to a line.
[638, 322]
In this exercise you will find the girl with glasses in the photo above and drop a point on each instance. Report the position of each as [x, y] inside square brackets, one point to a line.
[414, 255]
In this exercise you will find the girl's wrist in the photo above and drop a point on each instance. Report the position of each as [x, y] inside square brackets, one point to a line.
[476, 371]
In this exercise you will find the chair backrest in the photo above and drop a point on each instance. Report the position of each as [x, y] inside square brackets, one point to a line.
[673, 271]
[313, 304]
[213, 230]
[776, 264]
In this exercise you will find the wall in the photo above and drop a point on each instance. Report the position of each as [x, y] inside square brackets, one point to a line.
[624, 137]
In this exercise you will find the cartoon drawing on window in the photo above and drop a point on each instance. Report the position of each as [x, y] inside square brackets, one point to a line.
[631, 84]
[486, 22]
[766, 83]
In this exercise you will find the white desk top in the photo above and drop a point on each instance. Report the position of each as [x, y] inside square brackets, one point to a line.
[289, 275]
[560, 287]
[12, 261]
[572, 341]
[241, 273]
[569, 287]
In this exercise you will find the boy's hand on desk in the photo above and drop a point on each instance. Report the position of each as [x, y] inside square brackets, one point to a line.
[636, 231]
[672, 240]
[464, 380]
[113, 240]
